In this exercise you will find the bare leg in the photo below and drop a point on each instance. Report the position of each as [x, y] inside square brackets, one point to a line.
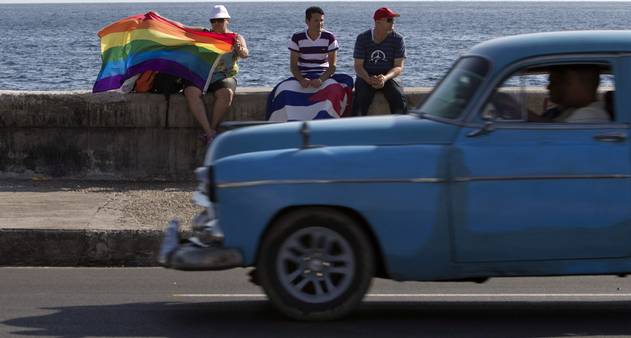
[223, 100]
[197, 107]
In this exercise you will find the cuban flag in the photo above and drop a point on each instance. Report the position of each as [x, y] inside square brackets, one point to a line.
[289, 101]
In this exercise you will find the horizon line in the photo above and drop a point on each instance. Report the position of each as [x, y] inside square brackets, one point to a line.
[37, 2]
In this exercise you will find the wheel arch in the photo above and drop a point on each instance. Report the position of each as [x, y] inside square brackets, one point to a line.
[381, 272]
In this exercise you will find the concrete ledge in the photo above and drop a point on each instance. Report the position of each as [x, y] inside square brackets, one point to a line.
[38, 247]
[100, 153]
[116, 136]
[118, 110]
[81, 110]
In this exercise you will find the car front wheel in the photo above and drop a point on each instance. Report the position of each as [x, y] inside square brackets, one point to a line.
[316, 264]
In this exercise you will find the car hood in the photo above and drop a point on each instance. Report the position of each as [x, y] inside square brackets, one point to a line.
[377, 130]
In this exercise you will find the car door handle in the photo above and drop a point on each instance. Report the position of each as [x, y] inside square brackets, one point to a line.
[613, 137]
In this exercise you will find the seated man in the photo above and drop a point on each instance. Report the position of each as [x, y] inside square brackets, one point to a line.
[315, 91]
[379, 56]
[574, 91]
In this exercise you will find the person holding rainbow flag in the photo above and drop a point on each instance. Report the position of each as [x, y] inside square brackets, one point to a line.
[222, 81]
[205, 60]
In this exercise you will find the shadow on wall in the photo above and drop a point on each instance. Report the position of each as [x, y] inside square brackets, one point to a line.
[94, 186]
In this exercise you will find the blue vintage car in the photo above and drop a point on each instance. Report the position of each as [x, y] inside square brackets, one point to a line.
[500, 171]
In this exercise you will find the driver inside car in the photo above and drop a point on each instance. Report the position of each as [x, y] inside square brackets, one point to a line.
[574, 90]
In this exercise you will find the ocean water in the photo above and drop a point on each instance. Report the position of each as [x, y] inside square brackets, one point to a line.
[55, 46]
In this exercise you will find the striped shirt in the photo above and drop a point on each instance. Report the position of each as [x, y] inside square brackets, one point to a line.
[313, 54]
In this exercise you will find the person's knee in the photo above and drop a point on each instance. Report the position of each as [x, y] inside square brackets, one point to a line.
[194, 100]
[363, 89]
[362, 98]
[361, 85]
[224, 96]
[192, 92]
[395, 96]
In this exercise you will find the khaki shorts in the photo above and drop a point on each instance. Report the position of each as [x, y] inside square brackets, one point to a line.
[229, 82]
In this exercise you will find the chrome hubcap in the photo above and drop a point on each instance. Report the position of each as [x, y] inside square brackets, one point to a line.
[315, 264]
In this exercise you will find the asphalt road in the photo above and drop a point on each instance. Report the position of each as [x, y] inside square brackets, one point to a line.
[154, 302]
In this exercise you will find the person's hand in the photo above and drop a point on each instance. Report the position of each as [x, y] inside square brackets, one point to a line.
[379, 81]
[237, 45]
[373, 81]
[315, 83]
[304, 83]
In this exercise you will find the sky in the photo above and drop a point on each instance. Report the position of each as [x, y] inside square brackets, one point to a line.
[181, 1]
[228, 1]
[109, 1]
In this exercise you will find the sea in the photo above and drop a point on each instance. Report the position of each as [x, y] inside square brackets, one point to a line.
[55, 47]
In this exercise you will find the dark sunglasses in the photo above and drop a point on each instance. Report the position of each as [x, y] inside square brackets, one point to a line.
[217, 20]
[390, 20]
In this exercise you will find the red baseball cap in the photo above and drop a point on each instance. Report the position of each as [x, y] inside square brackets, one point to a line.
[384, 13]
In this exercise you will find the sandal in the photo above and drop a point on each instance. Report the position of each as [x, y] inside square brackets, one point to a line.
[206, 139]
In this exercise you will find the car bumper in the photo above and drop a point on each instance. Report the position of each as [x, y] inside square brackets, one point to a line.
[190, 257]
[202, 251]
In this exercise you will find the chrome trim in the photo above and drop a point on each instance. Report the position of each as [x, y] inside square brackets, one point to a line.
[542, 177]
[455, 122]
[202, 200]
[245, 184]
[331, 181]
[525, 125]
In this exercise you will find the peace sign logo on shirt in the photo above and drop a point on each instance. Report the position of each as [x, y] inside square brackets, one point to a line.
[377, 56]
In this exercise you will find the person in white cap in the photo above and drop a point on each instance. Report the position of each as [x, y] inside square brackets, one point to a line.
[223, 83]
[379, 56]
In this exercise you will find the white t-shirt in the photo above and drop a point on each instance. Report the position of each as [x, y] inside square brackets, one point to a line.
[592, 113]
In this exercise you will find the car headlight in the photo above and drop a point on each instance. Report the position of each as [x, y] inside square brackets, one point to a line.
[206, 179]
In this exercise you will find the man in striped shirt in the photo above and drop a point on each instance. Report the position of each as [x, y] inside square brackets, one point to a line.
[313, 51]
[314, 91]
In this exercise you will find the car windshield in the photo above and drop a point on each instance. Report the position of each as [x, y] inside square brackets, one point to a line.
[452, 95]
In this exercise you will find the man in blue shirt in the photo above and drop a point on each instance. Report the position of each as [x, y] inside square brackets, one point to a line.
[379, 56]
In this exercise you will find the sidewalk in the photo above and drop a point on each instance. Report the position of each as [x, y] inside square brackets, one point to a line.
[88, 223]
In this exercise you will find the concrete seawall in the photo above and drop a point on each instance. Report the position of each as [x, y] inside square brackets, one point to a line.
[116, 136]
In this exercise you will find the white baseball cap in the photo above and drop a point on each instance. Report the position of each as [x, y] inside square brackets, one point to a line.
[219, 12]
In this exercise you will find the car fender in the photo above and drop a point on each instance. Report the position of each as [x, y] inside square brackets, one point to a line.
[401, 192]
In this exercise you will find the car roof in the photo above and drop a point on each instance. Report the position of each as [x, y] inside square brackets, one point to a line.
[509, 49]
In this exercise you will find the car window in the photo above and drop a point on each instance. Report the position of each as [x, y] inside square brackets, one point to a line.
[450, 98]
[563, 93]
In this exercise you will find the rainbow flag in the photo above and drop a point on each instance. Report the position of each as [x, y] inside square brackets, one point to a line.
[150, 42]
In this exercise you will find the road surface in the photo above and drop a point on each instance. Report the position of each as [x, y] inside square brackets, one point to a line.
[155, 302]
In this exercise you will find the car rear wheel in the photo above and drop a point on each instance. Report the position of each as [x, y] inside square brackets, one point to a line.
[316, 264]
